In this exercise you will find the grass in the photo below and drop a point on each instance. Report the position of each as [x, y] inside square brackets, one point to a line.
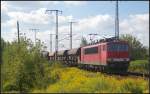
[139, 66]
[74, 80]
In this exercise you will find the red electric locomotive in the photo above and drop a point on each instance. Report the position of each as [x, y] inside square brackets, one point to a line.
[111, 55]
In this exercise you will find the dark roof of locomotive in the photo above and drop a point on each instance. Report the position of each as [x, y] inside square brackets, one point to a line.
[103, 43]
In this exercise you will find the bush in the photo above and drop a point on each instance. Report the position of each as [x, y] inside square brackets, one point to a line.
[141, 66]
[131, 86]
[23, 68]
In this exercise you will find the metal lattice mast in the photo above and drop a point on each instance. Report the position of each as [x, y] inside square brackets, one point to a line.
[51, 42]
[56, 45]
[71, 34]
[117, 22]
[18, 31]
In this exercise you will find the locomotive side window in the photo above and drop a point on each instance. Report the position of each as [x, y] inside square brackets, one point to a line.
[92, 50]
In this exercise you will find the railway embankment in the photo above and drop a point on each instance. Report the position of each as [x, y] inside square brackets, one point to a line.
[72, 79]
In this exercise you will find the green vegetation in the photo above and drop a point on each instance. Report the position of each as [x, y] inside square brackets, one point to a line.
[83, 42]
[74, 80]
[141, 66]
[23, 68]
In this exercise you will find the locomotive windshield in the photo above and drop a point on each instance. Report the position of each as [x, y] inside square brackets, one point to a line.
[117, 47]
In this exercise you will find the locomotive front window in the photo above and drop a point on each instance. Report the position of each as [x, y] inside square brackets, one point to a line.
[92, 50]
[117, 47]
[123, 47]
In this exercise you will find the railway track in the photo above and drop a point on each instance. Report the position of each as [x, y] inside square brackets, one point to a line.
[125, 74]
[138, 74]
[129, 74]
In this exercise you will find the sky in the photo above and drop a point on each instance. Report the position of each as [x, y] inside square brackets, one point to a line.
[90, 16]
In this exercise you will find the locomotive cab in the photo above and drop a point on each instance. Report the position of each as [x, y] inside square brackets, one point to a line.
[118, 55]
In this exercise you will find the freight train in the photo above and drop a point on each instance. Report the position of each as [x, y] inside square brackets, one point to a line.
[105, 55]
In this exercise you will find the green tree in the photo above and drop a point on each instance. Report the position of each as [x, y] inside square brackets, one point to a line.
[23, 68]
[147, 53]
[137, 50]
[83, 42]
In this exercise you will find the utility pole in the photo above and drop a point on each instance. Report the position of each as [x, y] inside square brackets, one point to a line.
[56, 45]
[71, 34]
[117, 22]
[34, 30]
[18, 31]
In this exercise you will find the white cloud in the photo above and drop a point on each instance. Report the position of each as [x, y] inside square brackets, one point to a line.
[9, 24]
[9, 36]
[4, 11]
[76, 3]
[33, 17]
[4, 6]
[65, 19]
[49, 2]
[97, 23]
[138, 26]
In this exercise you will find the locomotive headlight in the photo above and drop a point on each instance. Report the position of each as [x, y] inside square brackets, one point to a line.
[109, 59]
[127, 59]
